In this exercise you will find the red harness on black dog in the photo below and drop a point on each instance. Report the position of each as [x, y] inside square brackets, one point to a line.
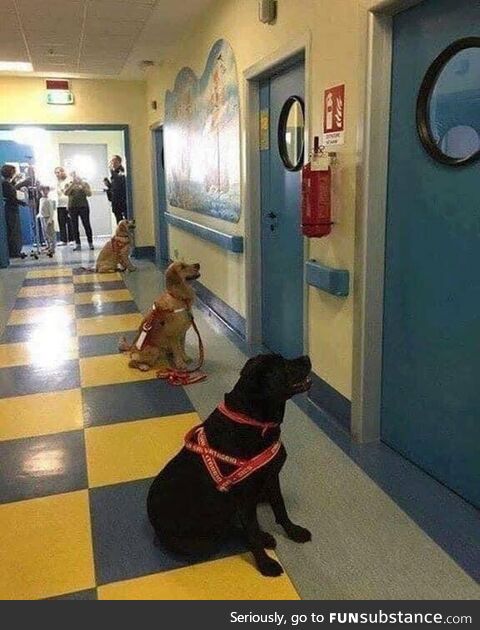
[196, 441]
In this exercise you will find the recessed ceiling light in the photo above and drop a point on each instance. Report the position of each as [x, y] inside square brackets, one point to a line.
[15, 66]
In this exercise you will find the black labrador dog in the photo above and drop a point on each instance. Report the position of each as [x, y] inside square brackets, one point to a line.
[229, 464]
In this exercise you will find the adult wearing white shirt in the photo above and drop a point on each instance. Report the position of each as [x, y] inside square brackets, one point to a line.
[64, 220]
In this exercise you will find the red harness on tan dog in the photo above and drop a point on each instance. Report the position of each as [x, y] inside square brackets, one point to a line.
[118, 242]
[174, 377]
[196, 441]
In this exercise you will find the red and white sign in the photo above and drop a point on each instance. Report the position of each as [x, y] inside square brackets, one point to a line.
[334, 116]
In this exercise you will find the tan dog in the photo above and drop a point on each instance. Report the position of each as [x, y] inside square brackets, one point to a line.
[170, 320]
[115, 254]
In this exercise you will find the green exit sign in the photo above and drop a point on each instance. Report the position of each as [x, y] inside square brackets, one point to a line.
[60, 97]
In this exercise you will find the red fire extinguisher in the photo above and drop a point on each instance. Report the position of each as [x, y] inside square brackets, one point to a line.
[317, 195]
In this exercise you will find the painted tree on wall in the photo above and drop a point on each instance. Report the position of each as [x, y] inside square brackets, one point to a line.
[202, 138]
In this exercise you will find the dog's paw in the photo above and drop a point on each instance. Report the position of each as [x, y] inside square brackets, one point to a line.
[181, 366]
[267, 540]
[298, 534]
[269, 567]
[143, 367]
[123, 345]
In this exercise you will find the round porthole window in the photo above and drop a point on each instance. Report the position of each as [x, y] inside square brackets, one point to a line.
[291, 130]
[448, 106]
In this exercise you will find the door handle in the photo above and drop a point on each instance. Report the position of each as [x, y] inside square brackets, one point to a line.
[272, 215]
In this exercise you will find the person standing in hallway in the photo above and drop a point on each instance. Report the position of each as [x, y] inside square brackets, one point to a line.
[118, 188]
[12, 210]
[78, 191]
[64, 221]
[46, 215]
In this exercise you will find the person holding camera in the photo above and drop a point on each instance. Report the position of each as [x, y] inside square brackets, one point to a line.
[64, 221]
[78, 191]
[12, 210]
[118, 188]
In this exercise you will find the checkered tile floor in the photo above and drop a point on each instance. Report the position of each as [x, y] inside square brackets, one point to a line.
[81, 436]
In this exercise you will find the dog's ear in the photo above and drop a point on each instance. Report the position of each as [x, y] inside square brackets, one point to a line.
[172, 277]
[264, 376]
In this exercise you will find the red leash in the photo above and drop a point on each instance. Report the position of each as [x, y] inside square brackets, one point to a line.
[196, 441]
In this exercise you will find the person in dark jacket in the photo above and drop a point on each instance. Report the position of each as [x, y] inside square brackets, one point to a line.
[107, 188]
[118, 188]
[12, 211]
[78, 191]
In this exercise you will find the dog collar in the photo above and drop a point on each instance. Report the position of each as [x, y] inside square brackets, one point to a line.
[186, 301]
[241, 418]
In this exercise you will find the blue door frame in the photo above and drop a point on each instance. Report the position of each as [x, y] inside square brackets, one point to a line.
[4, 259]
[162, 254]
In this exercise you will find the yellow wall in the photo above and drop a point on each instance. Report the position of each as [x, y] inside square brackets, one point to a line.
[337, 29]
[22, 100]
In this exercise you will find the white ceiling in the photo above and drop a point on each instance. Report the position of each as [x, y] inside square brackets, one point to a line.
[91, 38]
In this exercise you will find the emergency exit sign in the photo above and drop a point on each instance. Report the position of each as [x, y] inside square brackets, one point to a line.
[59, 93]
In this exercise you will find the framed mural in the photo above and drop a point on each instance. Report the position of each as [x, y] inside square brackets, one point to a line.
[202, 138]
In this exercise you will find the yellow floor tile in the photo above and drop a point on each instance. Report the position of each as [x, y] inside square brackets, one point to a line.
[55, 272]
[226, 579]
[34, 353]
[46, 547]
[134, 450]
[85, 278]
[105, 324]
[40, 414]
[117, 295]
[109, 369]
[59, 314]
[46, 290]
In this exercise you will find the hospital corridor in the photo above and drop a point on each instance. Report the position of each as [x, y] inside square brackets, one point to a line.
[239, 305]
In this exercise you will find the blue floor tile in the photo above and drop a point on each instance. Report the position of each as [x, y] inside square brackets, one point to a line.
[24, 332]
[37, 282]
[34, 379]
[106, 308]
[98, 345]
[99, 286]
[123, 402]
[123, 537]
[81, 595]
[32, 302]
[42, 466]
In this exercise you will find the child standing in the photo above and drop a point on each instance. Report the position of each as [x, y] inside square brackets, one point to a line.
[46, 214]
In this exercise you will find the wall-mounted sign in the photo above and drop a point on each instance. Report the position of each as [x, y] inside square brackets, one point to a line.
[59, 93]
[334, 116]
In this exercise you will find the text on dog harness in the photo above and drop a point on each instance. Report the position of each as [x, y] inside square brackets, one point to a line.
[196, 441]
[149, 321]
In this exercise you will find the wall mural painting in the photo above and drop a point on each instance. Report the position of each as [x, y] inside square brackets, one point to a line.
[202, 138]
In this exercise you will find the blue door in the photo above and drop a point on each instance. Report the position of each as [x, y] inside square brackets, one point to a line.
[431, 369]
[22, 154]
[282, 241]
[161, 227]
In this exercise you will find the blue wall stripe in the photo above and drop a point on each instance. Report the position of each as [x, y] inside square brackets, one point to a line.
[230, 242]
[333, 281]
